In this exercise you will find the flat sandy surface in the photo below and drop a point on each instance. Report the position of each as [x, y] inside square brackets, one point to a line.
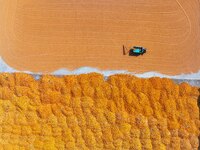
[46, 35]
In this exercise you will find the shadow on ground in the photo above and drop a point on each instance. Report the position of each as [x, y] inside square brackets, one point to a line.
[199, 114]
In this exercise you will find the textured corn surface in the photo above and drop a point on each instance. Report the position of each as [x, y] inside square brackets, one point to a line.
[87, 112]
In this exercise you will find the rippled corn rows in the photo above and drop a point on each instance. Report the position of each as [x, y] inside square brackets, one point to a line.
[87, 112]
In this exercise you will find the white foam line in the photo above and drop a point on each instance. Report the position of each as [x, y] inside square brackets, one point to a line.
[84, 70]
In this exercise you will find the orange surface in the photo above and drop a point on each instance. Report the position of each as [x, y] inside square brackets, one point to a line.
[46, 35]
[86, 112]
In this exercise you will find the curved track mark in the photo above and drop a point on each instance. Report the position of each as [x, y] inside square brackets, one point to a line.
[188, 18]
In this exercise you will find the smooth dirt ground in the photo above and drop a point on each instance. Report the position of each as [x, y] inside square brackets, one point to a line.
[47, 35]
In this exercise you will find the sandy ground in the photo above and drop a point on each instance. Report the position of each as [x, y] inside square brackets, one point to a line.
[47, 35]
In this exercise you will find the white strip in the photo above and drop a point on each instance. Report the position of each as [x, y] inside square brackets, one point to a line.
[83, 70]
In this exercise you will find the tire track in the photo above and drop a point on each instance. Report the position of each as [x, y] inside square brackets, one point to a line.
[188, 18]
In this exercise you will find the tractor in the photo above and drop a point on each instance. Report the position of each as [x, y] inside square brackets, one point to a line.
[134, 51]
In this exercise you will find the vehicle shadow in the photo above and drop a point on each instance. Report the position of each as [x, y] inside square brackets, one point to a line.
[198, 102]
[133, 54]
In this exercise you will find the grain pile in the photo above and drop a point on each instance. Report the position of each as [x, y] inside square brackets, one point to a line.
[86, 112]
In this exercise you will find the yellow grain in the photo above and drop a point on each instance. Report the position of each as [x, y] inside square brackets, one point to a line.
[87, 112]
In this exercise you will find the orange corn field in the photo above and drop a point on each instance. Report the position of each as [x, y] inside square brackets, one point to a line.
[89, 112]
